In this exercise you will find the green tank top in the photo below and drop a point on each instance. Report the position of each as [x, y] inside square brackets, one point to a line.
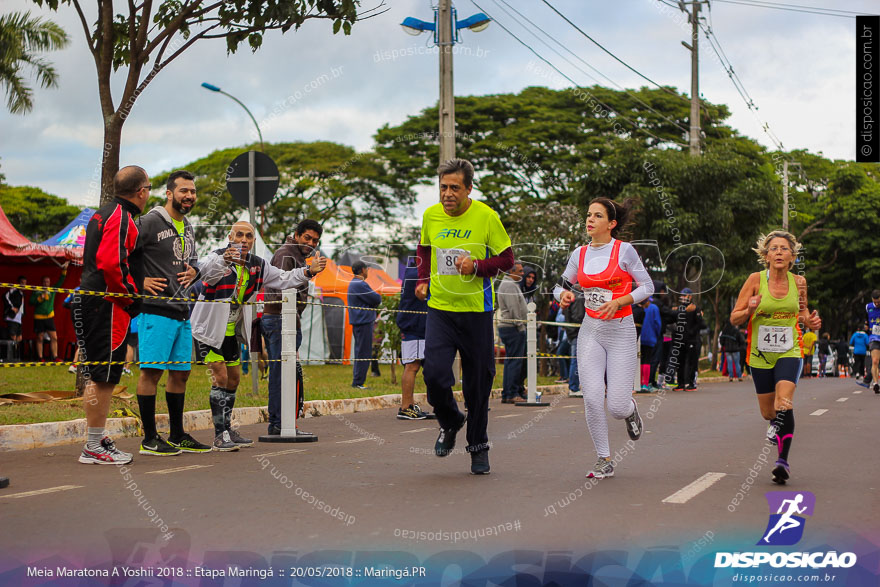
[773, 329]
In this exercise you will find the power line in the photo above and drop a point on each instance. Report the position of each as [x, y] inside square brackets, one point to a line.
[574, 83]
[576, 56]
[709, 32]
[618, 59]
[795, 8]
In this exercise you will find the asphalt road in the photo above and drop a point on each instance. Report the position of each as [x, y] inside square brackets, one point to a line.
[384, 490]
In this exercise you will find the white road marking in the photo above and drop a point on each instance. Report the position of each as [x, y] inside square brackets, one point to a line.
[818, 412]
[858, 391]
[688, 492]
[280, 452]
[508, 416]
[842, 399]
[177, 469]
[42, 491]
[362, 439]
[416, 430]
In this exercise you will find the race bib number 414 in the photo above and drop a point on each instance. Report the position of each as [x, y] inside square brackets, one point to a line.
[775, 339]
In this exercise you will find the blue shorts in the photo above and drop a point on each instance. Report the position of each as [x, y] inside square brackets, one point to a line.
[164, 339]
[786, 369]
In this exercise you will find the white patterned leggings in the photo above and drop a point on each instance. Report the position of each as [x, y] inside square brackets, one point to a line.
[606, 351]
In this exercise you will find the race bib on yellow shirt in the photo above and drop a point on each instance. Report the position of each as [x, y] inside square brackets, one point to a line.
[775, 339]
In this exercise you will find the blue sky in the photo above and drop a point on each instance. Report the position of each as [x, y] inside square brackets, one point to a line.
[799, 69]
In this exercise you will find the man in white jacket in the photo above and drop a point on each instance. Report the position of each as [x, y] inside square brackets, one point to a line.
[237, 275]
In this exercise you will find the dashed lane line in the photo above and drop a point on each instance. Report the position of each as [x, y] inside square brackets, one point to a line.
[690, 491]
[818, 412]
[178, 469]
[842, 399]
[280, 452]
[508, 416]
[41, 491]
[354, 440]
[417, 430]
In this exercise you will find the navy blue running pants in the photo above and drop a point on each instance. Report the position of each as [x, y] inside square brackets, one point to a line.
[472, 335]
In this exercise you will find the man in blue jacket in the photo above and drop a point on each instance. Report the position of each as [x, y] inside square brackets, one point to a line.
[412, 345]
[652, 328]
[361, 295]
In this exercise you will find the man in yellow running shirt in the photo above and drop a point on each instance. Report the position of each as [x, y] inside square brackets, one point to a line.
[463, 246]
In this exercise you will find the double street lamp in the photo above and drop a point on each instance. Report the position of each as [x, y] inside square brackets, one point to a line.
[446, 27]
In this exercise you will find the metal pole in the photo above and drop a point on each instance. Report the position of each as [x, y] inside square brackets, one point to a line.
[447, 95]
[532, 358]
[695, 83]
[240, 103]
[785, 195]
[289, 399]
[252, 191]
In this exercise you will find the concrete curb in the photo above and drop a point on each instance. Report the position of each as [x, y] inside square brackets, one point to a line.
[46, 434]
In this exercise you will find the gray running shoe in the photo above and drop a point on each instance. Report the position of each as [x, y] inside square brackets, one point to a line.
[223, 443]
[238, 439]
[634, 425]
[601, 469]
[105, 453]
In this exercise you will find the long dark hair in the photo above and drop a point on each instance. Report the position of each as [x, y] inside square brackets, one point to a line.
[618, 211]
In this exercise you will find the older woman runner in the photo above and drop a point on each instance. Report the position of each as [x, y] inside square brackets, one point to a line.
[774, 303]
[606, 347]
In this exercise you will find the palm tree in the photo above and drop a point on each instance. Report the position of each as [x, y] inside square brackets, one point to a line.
[21, 37]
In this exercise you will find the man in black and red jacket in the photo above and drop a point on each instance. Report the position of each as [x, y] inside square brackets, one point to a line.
[113, 263]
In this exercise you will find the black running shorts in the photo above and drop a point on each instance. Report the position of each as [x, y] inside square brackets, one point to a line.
[101, 328]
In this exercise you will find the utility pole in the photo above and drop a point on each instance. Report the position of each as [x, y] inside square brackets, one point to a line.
[694, 48]
[785, 195]
[447, 96]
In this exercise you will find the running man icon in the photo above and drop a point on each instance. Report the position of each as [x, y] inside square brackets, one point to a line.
[786, 526]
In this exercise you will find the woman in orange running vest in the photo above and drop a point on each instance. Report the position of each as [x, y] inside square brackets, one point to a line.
[774, 303]
[604, 272]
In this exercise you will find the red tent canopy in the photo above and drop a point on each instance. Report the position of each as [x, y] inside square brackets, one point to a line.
[16, 248]
[21, 257]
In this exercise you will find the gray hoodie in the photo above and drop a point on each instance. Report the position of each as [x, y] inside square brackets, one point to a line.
[165, 256]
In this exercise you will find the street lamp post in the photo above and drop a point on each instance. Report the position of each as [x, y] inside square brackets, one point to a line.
[445, 28]
[214, 88]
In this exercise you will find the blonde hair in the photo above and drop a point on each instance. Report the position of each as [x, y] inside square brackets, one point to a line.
[764, 246]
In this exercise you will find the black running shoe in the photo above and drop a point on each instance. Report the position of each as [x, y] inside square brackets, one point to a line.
[877, 388]
[446, 440]
[781, 472]
[157, 447]
[480, 462]
[189, 444]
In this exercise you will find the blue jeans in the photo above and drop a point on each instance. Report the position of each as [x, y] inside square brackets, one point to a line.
[271, 325]
[731, 361]
[363, 349]
[563, 348]
[574, 379]
[514, 346]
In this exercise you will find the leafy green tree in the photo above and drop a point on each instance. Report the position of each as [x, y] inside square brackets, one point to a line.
[159, 31]
[386, 325]
[21, 38]
[840, 258]
[532, 146]
[34, 213]
[346, 191]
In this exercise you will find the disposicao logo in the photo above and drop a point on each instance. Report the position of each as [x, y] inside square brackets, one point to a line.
[786, 528]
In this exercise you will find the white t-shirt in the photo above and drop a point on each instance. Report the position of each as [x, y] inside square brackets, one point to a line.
[596, 261]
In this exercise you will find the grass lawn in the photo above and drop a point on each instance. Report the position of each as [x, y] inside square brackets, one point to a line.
[321, 382]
